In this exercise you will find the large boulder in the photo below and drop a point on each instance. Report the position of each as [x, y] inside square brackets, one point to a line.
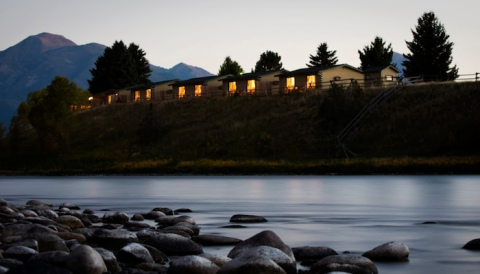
[262, 265]
[109, 259]
[192, 265]
[85, 259]
[212, 240]
[133, 254]
[21, 253]
[156, 254]
[153, 215]
[47, 239]
[70, 221]
[56, 258]
[6, 210]
[268, 238]
[344, 263]
[241, 218]
[312, 252]
[114, 239]
[115, 217]
[174, 245]
[388, 252]
[69, 206]
[472, 245]
[219, 260]
[45, 212]
[38, 203]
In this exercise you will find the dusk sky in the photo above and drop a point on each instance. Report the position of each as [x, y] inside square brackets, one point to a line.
[203, 33]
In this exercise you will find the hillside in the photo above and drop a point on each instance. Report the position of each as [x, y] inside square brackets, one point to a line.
[275, 134]
[31, 65]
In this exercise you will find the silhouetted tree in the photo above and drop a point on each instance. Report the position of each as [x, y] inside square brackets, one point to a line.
[230, 67]
[376, 54]
[269, 60]
[431, 51]
[324, 57]
[119, 66]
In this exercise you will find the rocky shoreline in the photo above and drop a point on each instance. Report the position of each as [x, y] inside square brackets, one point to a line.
[40, 238]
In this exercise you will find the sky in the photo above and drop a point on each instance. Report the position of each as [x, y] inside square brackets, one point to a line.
[203, 33]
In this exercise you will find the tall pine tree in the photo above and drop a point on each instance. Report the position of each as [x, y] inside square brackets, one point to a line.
[323, 58]
[431, 51]
[269, 60]
[119, 66]
[230, 67]
[376, 54]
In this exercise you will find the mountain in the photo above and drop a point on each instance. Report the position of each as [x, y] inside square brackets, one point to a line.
[398, 59]
[32, 64]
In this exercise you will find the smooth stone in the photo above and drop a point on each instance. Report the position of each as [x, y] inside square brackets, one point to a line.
[38, 268]
[136, 224]
[184, 219]
[212, 240]
[56, 258]
[344, 263]
[182, 210]
[6, 210]
[3, 202]
[288, 264]
[152, 268]
[44, 221]
[70, 221]
[85, 259]
[133, 254]
[114, 239]
[15, 230]
[167, 220]
[38, 203]
[68, 205]
[472, 245]
[240, 218]
[21, 253]
[47, 239]
[30, 243]
[233, 226]
[178, 228]
[195, 228]
[219, 260]
[268, 238]
[152, 215]
[109, 259]
[88, 211]
[165, 210]
[10, 263]
[3, 269]
[115, 217]
[86, 231]
[177, 232]
[388, 252]
[72, 236]
[192, 265]
[157, 255]
[63, 210]
[174, 245]
[29, 213]
[48, 213]
[137, 217]
[312, 252]
[243, 265]
[72, 243]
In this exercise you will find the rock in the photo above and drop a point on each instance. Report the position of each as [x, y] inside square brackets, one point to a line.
[182, 210]
[85, 259]
[212, 240]
[29, 213]
[56, 258]
[137, 217]
[109, 259]
[44, 221]
[177, 232]
[344, 263]
[192, 265]
[30, 243]
[178, 228]
[3, 269]
[115, 217]
[263, 256]
[157, 255]
[153, 215]
[114, 239]
[3, 202]
[312, 252]
[6, 210]
[10, 263]
[152, 268]
[38, 203]
[233, 226]
[219, 260]
[15, 230]
[88, 211]
[47, 239]
[239, 218]
[184, 219]
[87, 232]
[133, 254]
[167, 220]
[48, 213]
[136, 224]
[268, 238]
[165, 210]
[63, 210]
[472, 245]
[194, 228]
[242, 265]
[72, 244]
[71, 221]
[38, 268]
[21, 253]
[174, 245]
[73, 236]
[69, 206]
[388, 252]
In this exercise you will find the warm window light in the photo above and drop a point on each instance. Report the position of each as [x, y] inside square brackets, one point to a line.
[232, 86]
[311, 81]
[251, 85]
[198, 90]
[290, 82]
[149, 94]
[90, 98]
[137, 95]
[181, 92]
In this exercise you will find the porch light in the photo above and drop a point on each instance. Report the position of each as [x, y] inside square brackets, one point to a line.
[90, 98]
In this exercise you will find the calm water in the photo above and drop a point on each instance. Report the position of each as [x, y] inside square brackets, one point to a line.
[344, 213]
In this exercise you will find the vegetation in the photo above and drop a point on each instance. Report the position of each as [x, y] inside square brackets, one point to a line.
[269, 60]
[119, 66]
[431, 128]
[431, 51]
[376, 54]
[323, 58]
[230, 67]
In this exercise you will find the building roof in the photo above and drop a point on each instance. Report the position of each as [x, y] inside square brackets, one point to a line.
[199, 81]
[151, 85]
[315, 70]
[252, 76]
[380, 68]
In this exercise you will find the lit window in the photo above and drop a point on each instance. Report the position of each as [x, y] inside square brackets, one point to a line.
[232, 86]
[337, 78]
[291, 82]
[198, 90]
[388, 78]
[181, 92]
[137, 95]
[251, 85]
[110, 99]
[148, 94]
[311, 81]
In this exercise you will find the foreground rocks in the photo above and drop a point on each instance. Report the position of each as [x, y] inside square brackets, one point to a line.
[38, 238]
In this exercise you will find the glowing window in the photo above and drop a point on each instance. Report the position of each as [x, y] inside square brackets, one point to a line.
[198, 90]
[232, 86]
[251, 85]
[148, 94]
[311, 81]
[388, 78]
[291, 82]
[181, 92]
[110, 99]
[137, 95]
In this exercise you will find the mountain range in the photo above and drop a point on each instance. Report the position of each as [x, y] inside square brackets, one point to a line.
[33, 63]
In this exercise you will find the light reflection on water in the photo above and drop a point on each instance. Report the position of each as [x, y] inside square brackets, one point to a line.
[344, 213]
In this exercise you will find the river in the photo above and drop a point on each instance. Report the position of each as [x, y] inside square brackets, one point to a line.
[345, 213]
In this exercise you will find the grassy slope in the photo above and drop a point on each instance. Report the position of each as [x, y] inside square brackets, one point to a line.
[438, 125]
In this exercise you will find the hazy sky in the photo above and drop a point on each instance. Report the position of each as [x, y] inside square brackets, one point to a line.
[203, 33]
